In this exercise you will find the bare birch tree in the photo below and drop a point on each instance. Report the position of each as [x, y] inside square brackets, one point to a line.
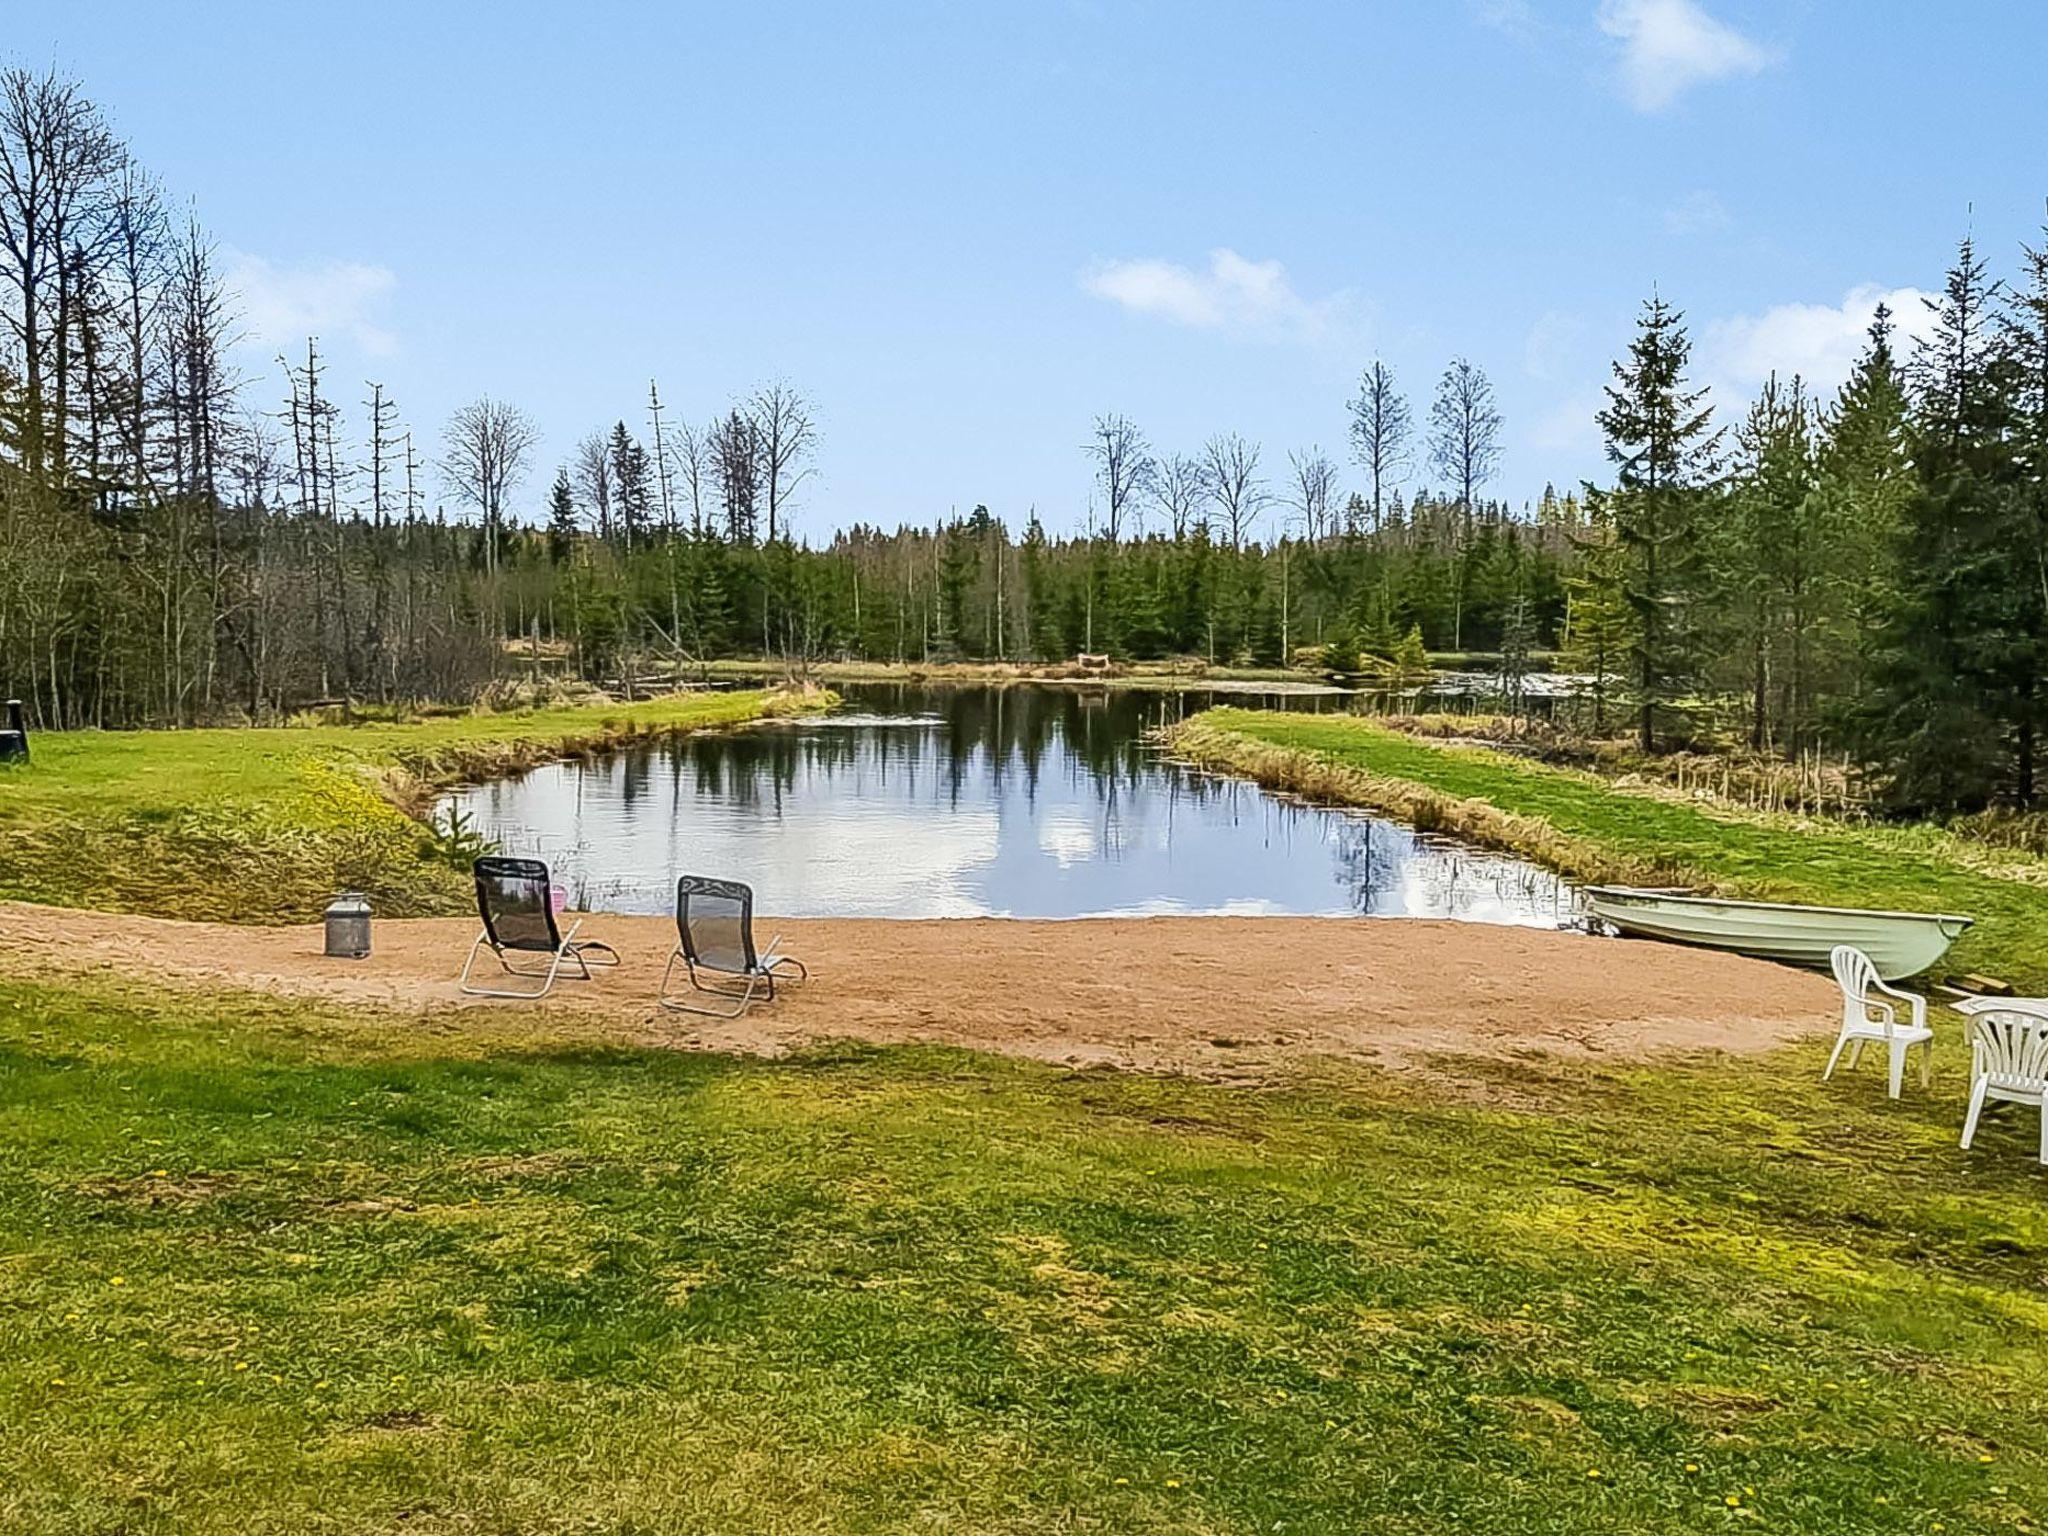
[1181, 491]
[485, 453]
[1312, 491]
[1380, 427]
[786, 440]
[1235, 489]
[1123, 469]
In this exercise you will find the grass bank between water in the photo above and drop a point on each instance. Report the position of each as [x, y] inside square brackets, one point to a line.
[274, 1269]
[264, 824]
[1590, 830]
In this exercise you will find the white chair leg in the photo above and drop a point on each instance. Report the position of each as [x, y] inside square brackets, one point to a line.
[2044, 1132]
[1897, 1055]
[1855, 1053]
[1976, 1108]
[1834, 1056]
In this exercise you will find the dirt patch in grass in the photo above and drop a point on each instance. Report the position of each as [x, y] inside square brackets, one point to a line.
[1233, 999]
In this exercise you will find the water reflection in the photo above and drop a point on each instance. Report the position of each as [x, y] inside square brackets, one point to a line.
[1027, 802]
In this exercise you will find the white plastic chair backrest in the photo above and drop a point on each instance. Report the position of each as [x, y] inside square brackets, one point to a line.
[1854, 973]
[2011, 1048]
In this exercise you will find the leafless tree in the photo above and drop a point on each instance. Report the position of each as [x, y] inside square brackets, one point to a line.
[485, 453]
[1181, 489]
[664, 484]
[137, 278]
[1123, 468]
[785, 439]
[1235, 489]
[690, 450]
[737, 469]
[58, 163]
[591, 469]
[1380, 427]
[1464, 434]
[1312, 491]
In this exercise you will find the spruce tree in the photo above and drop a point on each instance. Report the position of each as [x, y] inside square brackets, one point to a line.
[1865, 478]
[561, 518]
[1950, 722]
[1767, 556]
[1662, 445]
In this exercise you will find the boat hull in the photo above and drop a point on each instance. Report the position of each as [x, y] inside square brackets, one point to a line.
[1898, 943]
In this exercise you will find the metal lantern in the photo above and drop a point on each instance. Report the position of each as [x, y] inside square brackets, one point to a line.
[348, 926]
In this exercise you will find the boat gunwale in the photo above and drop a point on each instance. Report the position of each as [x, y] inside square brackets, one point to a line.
[1631, 893]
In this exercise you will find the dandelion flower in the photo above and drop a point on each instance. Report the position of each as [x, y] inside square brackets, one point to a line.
[1173, 1482]
[1692, 1466]
[1592, 1471]
[118, 1280]
[241, 1365]
[1985, 1459]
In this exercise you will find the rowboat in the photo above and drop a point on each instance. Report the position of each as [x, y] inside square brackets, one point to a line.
[1900, 943]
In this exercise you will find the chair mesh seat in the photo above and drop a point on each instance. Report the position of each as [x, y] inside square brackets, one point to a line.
[715, 921]
[516, 902]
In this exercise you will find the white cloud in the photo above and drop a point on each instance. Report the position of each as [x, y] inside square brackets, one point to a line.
[1233, 294]
[1819, 342]
[1669, 46]
[1553, 343]
[282, 303]
[1516, 18]
[1567, 430]
[1698, 213]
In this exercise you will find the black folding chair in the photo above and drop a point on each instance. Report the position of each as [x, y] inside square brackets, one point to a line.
[516, 901]
[715, 938]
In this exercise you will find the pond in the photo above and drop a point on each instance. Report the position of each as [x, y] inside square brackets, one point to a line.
[973, 801]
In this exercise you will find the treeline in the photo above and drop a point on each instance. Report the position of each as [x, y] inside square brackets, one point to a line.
[180, 543]
[1867, 575]
[1864, 575]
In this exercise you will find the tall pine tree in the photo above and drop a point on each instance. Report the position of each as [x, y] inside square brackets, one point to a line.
[1664, 452]
[1951, 721]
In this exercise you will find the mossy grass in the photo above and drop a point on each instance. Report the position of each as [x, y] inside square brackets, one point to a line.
[275, 1269]
[1586, 827]
[264, 824]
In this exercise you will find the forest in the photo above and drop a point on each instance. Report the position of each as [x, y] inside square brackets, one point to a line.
[1863, 573]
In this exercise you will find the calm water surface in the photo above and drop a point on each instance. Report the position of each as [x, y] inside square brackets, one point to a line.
[958, 802]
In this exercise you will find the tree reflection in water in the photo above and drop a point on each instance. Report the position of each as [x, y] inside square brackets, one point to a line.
[1029, 801]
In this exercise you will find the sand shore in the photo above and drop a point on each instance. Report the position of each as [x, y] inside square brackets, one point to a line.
[1218, 997]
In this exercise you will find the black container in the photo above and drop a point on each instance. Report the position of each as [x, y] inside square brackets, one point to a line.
[14, 740]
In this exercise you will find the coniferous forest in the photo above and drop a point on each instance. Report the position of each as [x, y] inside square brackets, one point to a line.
[1863, 574]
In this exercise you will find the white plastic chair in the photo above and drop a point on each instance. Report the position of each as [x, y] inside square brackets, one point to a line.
[2009, 1062]
[1870, 1013]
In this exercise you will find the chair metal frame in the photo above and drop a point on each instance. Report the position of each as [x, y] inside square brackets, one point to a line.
[738, 988]
[560, 947]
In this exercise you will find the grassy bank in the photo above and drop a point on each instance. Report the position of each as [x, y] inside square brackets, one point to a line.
[1584, 827]
[265, 824]
[275, 1271]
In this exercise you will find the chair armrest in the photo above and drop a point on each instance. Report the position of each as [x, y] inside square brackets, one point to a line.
[1913, 1000]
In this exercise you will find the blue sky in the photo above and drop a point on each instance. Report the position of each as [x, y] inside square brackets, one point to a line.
[963, 230]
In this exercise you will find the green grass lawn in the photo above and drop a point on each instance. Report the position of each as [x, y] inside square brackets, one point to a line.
[273, 1270]
[1773, 858]
[265, 824]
